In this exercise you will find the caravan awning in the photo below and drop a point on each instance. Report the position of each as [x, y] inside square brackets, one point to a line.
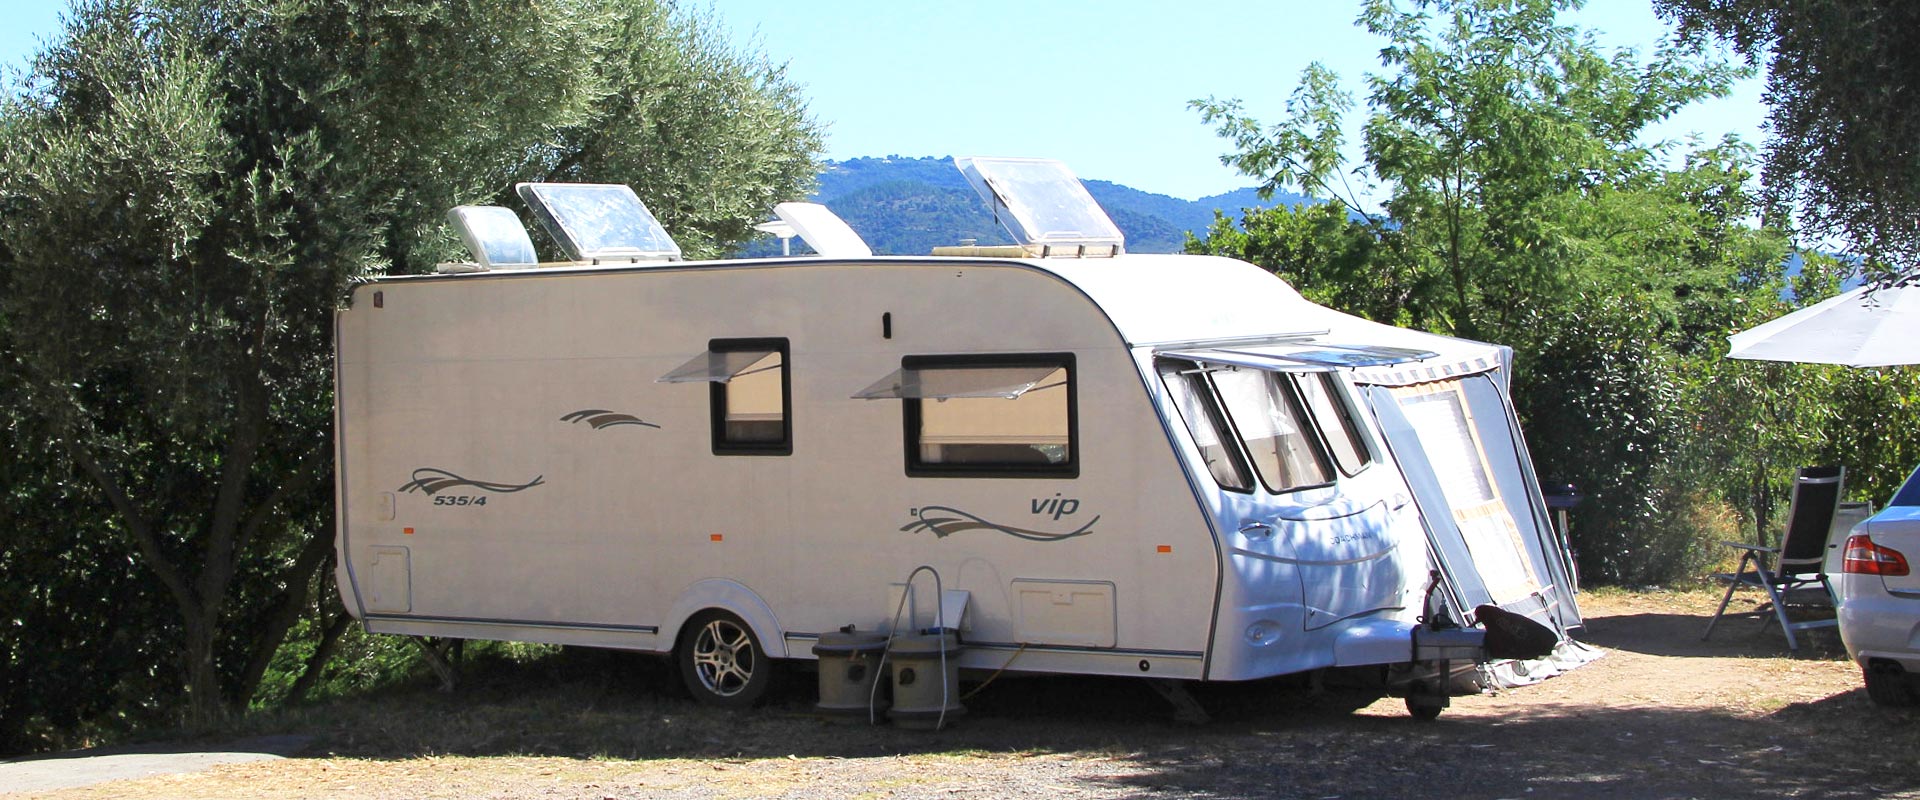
[948, 382]
[720, 366]
[1304, 357]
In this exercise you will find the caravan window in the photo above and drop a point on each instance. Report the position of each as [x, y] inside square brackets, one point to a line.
[1187, 386]
[1264, 410]
[986, 416]
[1333, 418]
[751, 397]
[751, 411]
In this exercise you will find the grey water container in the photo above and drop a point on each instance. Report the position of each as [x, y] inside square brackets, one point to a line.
[849, 668]
[925, 696]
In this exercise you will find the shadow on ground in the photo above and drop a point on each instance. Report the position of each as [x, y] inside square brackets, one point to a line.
[1268, 739]
[1744, 632]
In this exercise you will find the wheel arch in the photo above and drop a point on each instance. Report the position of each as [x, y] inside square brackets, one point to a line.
[730, 596]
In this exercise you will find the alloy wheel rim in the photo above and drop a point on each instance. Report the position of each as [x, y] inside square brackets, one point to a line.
[723, 657]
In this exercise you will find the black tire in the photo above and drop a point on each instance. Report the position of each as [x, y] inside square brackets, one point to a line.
[1888, 685]
[1424, 712]
[722, 662]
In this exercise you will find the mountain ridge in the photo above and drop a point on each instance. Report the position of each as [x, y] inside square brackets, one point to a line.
[907, 205]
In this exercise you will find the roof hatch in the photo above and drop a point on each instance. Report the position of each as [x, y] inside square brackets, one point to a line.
[1043, 206]
[599, 222]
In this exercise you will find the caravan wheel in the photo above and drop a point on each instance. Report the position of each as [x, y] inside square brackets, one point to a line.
[722, 662]
[1426, 711]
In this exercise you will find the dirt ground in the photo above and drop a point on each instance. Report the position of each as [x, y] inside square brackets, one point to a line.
[1662, 715]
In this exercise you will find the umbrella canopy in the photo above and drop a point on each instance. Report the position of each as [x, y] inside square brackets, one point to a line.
[1866, 327]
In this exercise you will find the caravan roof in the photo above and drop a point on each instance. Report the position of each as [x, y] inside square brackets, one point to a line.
[1184, 300]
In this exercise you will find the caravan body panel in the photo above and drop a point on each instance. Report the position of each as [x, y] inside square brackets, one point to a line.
[467, 442]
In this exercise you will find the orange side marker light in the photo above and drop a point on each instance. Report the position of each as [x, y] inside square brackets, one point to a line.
[716, 537]
[1165, 548]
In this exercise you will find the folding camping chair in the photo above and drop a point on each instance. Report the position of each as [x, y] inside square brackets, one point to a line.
[1798, 576]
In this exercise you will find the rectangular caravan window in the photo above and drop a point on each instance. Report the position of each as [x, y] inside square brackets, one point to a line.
[986, 416]
[1333, 418]
[1265, 412]
[750, 394]
[1186, 385]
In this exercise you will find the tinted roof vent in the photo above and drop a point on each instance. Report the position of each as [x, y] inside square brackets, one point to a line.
[599, 222]
[495, 237]
[1043, 206]
[819, 227]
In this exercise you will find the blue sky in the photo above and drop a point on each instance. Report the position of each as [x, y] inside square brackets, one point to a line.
[1100, 85]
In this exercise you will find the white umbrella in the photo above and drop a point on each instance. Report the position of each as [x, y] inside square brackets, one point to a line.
[1861, 328]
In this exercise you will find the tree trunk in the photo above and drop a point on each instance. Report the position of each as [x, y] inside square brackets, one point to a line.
[312, 562]
[322, 653]
[205, 706]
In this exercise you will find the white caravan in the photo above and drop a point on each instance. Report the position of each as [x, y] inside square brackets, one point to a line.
[1163, 466]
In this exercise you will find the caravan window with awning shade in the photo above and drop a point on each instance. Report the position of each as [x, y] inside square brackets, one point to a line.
[948, 383]
[752, 405]
[985, 416]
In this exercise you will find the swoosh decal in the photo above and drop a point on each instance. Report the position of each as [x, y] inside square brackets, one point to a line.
[944, 521]
[432, 480]
[603, 418]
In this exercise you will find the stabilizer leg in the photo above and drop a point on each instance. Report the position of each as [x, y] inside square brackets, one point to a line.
[1186, 710]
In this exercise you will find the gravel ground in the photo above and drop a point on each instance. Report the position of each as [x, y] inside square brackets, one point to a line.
[1662, 715]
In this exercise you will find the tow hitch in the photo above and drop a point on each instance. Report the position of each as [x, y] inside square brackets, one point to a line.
[1438, 642]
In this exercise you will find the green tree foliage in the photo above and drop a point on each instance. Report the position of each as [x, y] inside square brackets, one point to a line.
[710, 139]
[1494, 131]
[187, 187]
[1330, 257]
[79, 652]
[1758, 420]
[1522, 206]
[1842, 78]
[1600, 391]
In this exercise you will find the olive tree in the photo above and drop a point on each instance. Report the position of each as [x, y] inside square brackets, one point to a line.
[188, 188]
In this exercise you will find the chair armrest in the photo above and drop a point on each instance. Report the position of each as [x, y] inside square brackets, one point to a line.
[1753, 547]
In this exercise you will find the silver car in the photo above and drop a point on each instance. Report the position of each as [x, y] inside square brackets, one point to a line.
[1879, 596]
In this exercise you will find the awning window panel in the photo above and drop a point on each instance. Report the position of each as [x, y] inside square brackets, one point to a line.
[944, 383]
[722, 366]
